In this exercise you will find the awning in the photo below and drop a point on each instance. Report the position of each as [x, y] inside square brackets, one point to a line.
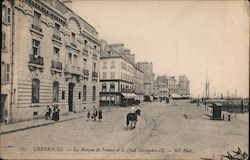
[139, 97]
[129, 95]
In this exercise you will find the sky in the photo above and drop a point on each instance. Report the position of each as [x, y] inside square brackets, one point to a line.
[180, 37]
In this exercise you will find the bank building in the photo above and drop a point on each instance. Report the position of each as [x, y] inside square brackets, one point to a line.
[49, 56]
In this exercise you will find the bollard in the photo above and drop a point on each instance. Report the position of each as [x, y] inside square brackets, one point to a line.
[222, 116]
[228, 117]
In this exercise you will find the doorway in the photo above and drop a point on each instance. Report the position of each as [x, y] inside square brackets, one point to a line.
[70, 98]
[2, 109]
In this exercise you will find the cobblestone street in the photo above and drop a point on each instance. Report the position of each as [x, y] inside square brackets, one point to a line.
[164, 131]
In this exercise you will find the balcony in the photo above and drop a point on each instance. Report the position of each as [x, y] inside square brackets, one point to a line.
[127, 90]
[70, 69]
[56, 65]
[37, 28]
[94, 55]
[94, 74]
[73, 45]
[36, 62]
[85, 72]
[57, 37]
[35, 59]
[85, 50]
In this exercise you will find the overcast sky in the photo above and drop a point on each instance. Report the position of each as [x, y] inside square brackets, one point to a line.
[185, 37]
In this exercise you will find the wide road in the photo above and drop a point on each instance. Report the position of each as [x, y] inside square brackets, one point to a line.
[179, 130]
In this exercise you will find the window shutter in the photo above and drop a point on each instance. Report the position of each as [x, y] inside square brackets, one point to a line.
[9, 15]
[3, 40]
[7, 73]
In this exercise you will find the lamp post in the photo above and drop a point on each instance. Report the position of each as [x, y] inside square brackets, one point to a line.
[109, 99]
[126, 99]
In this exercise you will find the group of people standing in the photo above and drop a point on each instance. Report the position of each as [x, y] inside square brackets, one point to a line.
[55, 114]
[95, 114]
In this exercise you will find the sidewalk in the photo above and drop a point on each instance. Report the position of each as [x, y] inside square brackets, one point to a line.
[233, 116]
[19, 126]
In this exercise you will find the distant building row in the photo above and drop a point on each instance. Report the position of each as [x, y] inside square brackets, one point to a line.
[167, 86]
[51, 56]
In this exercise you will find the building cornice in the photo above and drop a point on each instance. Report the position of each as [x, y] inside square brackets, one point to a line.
[111, 57]
[119, 56]
[86, 34]
[47, 10]
[115, 80]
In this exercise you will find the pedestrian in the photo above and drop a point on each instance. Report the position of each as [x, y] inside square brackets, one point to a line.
[54, 113]
[94, 113]
[100, 114]
[57, 113]
[48, 113]
[132, 109]
[88, 115]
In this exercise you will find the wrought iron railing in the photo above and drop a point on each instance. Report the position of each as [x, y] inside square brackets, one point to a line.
[85, 72]
[94, 74]
[36, 28]
[73, 45]
[56, 65]
[35, 59]
[57, 37]
[85, 50]
[127, 90]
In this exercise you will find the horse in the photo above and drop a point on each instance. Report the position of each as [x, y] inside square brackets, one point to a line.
[133, 118]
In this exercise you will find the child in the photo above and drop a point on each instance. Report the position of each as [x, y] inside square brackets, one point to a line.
[88, 115]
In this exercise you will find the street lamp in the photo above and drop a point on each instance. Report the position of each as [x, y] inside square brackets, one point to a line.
[126, 99]
[109, 99]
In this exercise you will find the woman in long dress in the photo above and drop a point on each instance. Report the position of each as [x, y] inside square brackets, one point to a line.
[100, 114]
[54, 113]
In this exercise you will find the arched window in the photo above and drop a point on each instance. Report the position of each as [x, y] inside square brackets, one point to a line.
[84, 96]
[35, 90]
[94, 91]
[55, 91]
[104, 87]
[112, 87]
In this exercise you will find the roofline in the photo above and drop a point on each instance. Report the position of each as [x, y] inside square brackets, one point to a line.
[76, 14]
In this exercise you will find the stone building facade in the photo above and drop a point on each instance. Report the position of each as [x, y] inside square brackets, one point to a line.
[6, 61]
[149, 77]
[120, 79]
[53, 56]
[139, 83]
[162, 86]
[166, 86]
[172, 85]
[183, 84]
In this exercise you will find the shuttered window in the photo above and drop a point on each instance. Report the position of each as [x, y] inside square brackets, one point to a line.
[37, 19]
[3, 41]
[35, 90]
[9, 15]
[55, 91]
[35, 47]
[84, 92]
[94, 92]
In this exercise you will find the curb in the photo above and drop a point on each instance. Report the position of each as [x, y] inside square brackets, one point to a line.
[47, 123]
[43, 124]
[39, 125]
